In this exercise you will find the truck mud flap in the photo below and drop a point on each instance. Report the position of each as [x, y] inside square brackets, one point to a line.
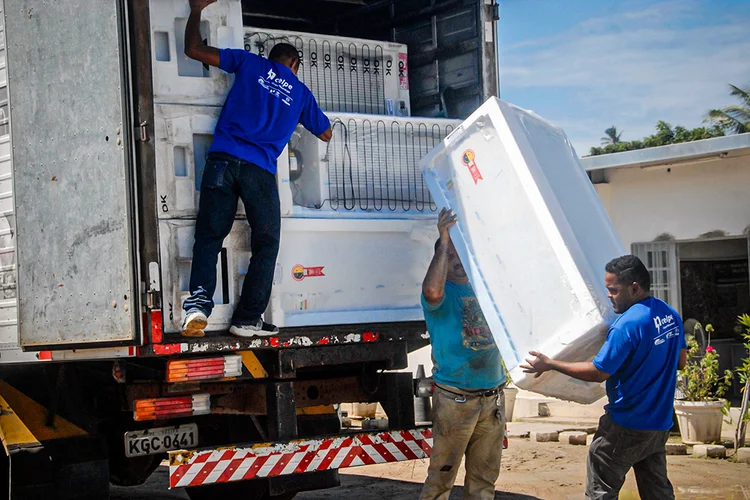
[48, 458]
[299, 456]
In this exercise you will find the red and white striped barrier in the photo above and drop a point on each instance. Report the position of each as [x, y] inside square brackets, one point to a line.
[304, 455]
[197, 468]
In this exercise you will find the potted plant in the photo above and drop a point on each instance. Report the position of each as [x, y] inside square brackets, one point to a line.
[700, 411]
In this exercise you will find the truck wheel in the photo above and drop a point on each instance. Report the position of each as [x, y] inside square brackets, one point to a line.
[243, 490]
[134, 471]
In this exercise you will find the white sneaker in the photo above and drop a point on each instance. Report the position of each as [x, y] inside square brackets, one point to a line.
[261, 329]
[194, 323]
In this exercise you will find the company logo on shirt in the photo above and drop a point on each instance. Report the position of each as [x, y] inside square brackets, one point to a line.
[277, 87]
[281, 82]
[663, 321]
[666, 328]
[476, 333]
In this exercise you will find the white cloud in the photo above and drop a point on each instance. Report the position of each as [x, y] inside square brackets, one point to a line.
[631, 70]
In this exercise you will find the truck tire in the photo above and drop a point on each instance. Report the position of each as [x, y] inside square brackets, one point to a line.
[124, 471]
[135, 471]
[242, 490]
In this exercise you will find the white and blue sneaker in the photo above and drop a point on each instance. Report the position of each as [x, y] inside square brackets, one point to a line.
[260, 329]
[194, 323]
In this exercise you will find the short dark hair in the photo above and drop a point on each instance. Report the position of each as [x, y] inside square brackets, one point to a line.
[283, 52]
[629, 269]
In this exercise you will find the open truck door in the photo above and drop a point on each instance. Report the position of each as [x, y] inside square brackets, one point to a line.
[77, 265]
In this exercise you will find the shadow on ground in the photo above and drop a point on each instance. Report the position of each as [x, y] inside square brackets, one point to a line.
[352, 486]
[373, 488]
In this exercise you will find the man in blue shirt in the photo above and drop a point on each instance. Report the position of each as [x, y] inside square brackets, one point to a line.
[263, 108]
[644, 349]
[468, 416]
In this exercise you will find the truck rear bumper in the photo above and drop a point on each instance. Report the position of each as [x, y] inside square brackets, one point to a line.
[222, 465]
[413, 333]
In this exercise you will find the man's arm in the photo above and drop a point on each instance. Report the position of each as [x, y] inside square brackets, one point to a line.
[326, 136]
[194, 46]
[433, 286]
[612, 355]
[585, 370]
[314, 120]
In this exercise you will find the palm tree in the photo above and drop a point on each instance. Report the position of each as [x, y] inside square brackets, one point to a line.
[612, 136]
[735, 119]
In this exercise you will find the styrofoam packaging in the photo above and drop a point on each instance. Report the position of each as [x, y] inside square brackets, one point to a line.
[345, 271]
[183, 137]
[176, 238]
[370, 165]
[177, 78]
[345, 74]
[533, 236]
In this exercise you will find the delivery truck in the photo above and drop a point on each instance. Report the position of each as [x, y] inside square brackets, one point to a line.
[104, 129]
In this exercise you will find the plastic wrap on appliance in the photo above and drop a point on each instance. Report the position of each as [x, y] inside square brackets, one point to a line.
[533, 236]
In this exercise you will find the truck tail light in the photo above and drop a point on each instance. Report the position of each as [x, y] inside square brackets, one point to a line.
[186, 370]
[164, 408]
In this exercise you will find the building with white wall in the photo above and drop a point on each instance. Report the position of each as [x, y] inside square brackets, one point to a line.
[684, 209]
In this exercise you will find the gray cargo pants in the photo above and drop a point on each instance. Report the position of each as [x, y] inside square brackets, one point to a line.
[474, 428]
[615, 450]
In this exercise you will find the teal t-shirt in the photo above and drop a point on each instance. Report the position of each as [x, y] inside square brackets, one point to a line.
[464, 354]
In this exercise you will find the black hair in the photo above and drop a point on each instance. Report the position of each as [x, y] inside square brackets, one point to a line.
[629, 269]
[283, 52]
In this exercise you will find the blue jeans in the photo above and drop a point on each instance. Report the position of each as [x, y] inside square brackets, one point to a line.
[225, 180]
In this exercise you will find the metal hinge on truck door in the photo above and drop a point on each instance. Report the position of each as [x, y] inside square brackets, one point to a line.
[142, 131]
[153, 294]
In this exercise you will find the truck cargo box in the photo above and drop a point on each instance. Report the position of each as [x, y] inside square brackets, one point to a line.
[533, 236]
[126, 185]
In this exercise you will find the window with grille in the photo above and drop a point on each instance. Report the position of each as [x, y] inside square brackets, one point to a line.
[660, 258]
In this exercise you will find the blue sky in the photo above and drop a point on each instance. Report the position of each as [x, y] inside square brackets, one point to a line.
[588, 64]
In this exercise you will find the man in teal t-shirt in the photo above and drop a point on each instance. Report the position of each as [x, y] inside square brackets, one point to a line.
[468, 416]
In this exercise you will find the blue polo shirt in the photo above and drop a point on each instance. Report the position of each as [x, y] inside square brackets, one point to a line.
[641, 354]
[464, 354]
[263, 108]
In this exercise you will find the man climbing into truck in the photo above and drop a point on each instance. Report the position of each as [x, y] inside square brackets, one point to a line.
[639, 360]
[468, 401]
[261, 112]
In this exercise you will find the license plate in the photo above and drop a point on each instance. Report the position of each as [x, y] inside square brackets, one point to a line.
[160, 439]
